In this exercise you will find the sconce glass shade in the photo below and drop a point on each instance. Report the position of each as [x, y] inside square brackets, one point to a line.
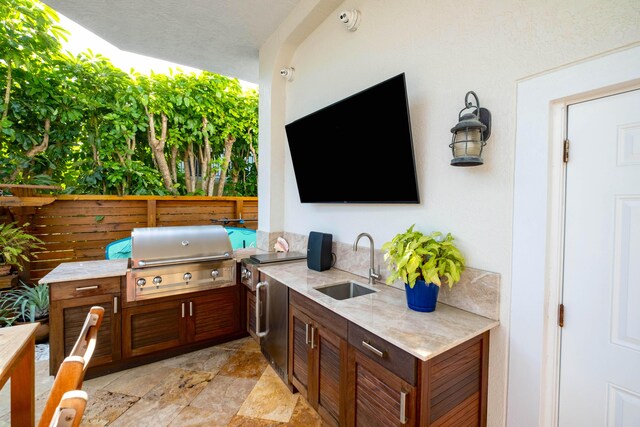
[470, 134]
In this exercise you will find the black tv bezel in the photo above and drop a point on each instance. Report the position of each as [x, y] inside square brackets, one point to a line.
[410, 144]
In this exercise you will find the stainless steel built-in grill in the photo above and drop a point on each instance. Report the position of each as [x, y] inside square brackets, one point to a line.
[174, 260]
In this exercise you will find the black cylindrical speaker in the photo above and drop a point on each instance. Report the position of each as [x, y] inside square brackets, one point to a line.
[319, 251]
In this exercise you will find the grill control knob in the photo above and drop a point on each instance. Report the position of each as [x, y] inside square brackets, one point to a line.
[248, 274]
[157, 280]
[141, 282]
[187, 277]
[215, 273]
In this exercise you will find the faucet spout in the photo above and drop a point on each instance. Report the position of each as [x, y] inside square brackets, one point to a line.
[372, 271]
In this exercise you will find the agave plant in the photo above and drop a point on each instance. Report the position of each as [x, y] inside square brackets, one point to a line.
[14, 242]
[29, 303]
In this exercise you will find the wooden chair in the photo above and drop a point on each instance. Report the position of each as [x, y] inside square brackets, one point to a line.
[69, 411]
[86, 342]
[67, 379]
[71, 372]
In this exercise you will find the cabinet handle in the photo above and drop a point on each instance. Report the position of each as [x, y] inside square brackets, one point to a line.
[313, 337]
[403, 407]
[372, 349]
[87, 288]
[306, 333]
[182, 310]
[258, 304]
[115, 305]
[190, 308]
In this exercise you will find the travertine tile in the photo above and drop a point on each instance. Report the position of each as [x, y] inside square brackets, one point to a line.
[244, 365]
[270, 399]
[149, 413]
[104, 407]
[196, 417]
[240, 421]
[206, 360]
[179, 387]
[305, 416]
[100, 382]
[223, 396]
[138, 381]
[242, 344]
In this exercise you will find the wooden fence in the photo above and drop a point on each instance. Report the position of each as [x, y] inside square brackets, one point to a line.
[78, 228]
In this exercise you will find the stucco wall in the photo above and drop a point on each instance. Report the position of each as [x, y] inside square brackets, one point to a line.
[445, 49]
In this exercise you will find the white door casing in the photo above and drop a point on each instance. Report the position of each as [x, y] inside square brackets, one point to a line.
[600, 350]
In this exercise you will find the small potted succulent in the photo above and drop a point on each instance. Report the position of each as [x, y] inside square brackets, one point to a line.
[423, 262]
[15, 243]
[29, 303]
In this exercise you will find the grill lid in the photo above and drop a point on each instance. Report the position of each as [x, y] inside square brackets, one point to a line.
[171, 245]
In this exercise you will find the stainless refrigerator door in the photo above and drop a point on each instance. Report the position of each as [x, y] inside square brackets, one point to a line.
[274, 343]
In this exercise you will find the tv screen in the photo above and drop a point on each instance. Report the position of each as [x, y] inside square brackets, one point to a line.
[357, 150]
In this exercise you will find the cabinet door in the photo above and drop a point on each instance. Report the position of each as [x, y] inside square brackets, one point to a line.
[154, 327]
[214, 315]
[380, 397]
[299, 350]
[330, 360]
[251, 313]
[66, 321]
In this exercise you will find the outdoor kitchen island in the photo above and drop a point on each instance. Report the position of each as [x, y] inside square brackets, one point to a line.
[138, 332]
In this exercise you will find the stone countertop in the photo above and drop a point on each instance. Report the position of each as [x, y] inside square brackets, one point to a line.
[385, 313]
[70, 271]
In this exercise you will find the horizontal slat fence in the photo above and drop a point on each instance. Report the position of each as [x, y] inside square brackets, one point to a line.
[78, 228]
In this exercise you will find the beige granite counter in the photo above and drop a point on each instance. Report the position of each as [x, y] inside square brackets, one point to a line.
[385, 312]
[70, 271]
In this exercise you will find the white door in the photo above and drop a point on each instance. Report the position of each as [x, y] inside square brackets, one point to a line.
[600, 351]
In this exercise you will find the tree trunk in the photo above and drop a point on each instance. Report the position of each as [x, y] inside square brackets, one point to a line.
[187, 175]
[253, 151]
[157, 147]
[192, 168]
[207, 174]
[34, 151]
[7, 92]
[228, 145]
[174, 162]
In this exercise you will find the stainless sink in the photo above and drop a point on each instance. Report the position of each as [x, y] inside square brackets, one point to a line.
[345, 290]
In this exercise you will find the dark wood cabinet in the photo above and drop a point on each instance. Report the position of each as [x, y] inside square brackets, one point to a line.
[378, 396]
[154, 327]
[161, 325]
[318, 356]
[251, 313]
[352, 377]
[70, 303]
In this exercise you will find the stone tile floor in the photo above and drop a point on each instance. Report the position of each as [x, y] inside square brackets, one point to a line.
[226, 385]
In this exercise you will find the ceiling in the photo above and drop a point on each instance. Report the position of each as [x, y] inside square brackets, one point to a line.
[222, 36]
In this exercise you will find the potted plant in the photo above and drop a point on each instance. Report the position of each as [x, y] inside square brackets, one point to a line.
[30, 304]
[422, 262]
[14, 243]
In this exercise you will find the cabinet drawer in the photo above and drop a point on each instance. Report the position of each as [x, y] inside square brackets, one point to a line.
[323, 316]
[85, 288]
[384, 353]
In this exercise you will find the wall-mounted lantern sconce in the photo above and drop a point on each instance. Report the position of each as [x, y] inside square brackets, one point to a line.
[350, 18]
[287, 73]
[471, 133]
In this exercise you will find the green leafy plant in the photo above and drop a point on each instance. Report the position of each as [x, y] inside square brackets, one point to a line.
[29, 303]
[14, 242]
[413, 255]
[7, 317]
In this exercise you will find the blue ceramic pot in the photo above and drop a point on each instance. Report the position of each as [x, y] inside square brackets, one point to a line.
[423, 296]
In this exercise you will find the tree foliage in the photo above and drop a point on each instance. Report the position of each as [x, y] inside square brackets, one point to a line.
[81, 122]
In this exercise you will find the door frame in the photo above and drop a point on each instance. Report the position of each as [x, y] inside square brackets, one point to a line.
[538, 225]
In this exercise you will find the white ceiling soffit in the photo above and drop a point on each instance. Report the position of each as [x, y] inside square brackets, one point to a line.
[222, 36]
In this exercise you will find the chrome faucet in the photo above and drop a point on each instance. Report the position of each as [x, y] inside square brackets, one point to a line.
[372, 271]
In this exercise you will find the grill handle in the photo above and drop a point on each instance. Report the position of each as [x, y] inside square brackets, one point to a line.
[143, 263]
[258, 304]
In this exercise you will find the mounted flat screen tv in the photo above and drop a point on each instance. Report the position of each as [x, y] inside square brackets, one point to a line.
[357, 150]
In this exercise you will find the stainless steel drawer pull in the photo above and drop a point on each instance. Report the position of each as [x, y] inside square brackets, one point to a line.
[87, 288]
[182, 309]
[191, 308]
[306, 333]
[403, 407]
[313, 337]
[259, 333]
[115, 305]
[372, 349]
